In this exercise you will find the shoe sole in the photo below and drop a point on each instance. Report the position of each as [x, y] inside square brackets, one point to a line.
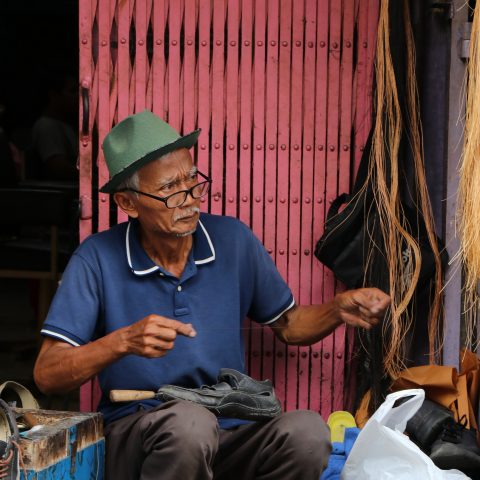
[233, 410]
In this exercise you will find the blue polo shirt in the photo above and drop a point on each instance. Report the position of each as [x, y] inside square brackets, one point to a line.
[110, 282]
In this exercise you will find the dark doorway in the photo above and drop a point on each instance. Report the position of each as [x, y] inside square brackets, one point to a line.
[37, 39]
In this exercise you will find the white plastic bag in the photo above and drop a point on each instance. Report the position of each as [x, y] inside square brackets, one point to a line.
[382, 452]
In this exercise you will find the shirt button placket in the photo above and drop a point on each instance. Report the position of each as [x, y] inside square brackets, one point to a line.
[181, 305]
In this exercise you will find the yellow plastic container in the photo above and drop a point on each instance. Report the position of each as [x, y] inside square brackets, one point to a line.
[338, 421]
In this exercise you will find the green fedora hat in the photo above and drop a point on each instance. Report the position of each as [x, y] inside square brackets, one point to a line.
[137, 140]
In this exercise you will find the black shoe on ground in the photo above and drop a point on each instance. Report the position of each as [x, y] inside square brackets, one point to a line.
[456, 447]
[425, 426]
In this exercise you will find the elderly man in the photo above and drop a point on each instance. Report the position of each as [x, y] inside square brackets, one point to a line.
[160, 300]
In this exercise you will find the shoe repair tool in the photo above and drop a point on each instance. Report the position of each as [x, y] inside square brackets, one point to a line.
[132, 395]
[27, 420]
[338, 421]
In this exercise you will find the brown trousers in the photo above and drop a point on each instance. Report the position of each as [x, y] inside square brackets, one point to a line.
[181, 441]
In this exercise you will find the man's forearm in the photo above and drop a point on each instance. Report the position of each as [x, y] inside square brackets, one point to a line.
[61, 367]
[307, 324]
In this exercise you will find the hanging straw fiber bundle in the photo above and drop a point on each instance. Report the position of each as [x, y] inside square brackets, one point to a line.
[468, 211]
[385, 170]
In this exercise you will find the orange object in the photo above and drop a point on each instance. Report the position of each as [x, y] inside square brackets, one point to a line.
[444, 385]
[457, 391]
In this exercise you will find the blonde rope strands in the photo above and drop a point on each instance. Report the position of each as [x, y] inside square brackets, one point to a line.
[385, 145]
[468, 211]
[402, 251]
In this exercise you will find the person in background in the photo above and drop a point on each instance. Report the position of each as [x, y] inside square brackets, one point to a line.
[54, 137]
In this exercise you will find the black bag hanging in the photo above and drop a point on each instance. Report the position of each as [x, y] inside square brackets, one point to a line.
[341, 247]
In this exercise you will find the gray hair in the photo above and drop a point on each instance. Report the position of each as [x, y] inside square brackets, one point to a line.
[132, 182]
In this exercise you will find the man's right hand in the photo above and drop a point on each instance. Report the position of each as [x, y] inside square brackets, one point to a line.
[153, 336]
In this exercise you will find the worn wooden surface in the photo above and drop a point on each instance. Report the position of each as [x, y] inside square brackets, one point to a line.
[70, 442]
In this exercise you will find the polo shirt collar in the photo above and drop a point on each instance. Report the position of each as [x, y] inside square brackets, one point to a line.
[141, 264]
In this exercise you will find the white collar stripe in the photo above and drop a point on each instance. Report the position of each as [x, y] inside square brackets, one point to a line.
[156, 267]
[129, 258]
[207, 236]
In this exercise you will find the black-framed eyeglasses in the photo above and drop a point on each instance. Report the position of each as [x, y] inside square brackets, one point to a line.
[177, 199]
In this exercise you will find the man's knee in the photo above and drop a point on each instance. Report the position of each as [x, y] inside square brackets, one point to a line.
[185, 423]
[305, 433]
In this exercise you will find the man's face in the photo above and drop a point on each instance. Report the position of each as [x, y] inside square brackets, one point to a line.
[172, 173]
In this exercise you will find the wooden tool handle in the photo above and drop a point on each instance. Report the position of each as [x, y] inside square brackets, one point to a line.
[30, 419]
[130, 395]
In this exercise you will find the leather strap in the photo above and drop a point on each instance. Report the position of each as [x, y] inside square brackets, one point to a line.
[4, 427]
[26, 397]
[8, 425]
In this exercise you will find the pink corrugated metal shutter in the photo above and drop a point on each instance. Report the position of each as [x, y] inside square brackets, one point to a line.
[281, 90]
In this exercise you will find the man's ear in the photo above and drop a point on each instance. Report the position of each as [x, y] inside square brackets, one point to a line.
[125, 202]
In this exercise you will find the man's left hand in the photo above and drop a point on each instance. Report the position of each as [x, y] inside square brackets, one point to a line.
[364, 307]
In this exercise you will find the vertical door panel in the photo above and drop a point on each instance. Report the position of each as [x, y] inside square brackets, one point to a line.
[257, 160]
[281, 90]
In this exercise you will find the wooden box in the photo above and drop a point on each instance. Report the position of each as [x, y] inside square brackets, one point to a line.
[62, 445]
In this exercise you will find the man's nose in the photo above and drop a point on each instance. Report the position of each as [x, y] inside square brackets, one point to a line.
[189, 200]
